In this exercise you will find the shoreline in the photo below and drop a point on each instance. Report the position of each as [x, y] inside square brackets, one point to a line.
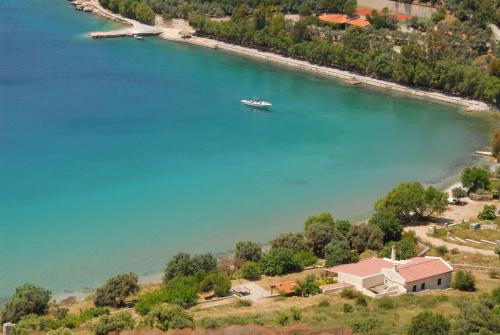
[175, 34]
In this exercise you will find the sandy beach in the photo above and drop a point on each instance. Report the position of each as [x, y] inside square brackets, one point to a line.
[171, 31]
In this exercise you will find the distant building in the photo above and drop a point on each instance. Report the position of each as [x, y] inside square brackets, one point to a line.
[377, 277]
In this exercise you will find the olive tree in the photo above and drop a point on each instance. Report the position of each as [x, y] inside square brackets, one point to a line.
[475, 178]
[116, 289]
[389, 224]
[27, 299]
[412, 202]
[248, 251]
[183, 264]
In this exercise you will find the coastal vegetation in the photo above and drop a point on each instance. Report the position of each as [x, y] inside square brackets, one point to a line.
[189, 279]
[429, 59]
[454, 52]
[133, 9]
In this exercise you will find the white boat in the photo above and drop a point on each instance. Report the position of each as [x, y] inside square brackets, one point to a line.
[137, 37]
[256, 103]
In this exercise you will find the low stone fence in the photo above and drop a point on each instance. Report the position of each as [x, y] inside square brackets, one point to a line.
[480, 197]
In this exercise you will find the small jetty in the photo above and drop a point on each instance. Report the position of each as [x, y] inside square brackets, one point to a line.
[483, 153]
[127, 32]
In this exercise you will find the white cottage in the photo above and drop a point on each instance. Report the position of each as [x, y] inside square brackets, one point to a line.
[377, 277]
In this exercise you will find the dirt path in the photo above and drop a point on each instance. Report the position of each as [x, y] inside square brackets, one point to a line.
[422, 231]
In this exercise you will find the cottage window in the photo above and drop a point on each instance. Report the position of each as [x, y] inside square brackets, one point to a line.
[414, 288]
[422, 286]
[439, 282]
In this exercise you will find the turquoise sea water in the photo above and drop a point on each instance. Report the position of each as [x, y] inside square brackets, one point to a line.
[114, 154]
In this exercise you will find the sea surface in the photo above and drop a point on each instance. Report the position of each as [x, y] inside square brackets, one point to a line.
[115, 154]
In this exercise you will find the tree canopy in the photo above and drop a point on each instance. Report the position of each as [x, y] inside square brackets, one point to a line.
[116, 290]
[248, 251]
[293, 241]
[278, 262]
[366, 236]
[389, 224]
[183, 264]
[338, 252]
[27, 299]
[475, 178]
[412, 202]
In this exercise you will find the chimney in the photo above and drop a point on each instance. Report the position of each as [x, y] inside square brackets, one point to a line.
[393, 254]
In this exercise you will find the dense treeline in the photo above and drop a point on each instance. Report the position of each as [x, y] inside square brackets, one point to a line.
[429, 63]
[133, 9]
[182, 8]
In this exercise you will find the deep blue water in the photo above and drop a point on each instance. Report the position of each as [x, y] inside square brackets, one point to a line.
[114, 154]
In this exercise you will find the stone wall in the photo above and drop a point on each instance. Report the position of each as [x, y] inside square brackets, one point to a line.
[394, 6]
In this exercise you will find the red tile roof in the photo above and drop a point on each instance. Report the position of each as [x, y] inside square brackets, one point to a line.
[358, 22]
[364, 11]
[401, 17]
[334, 18]
[364, 268]
[418, 268]
[285, 287]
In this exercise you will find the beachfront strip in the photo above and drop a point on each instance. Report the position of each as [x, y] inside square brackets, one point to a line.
[377, 277]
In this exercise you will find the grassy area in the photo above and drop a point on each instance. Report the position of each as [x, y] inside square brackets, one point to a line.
[326, 312]
[463, 231]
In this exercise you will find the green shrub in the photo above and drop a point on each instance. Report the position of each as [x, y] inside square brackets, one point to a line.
[182, 291]
[475, 178]
[365, 325]
[361, 301]
[493, 273]
[281, 319]
[278, 262]
[91, 313]
[31, 323]
[385, 303]
[114, 323]
[60, 313]
[305, 258]
[488, 212]
[349, 293]
[250, 271]
[324, 303]
[116, 290]
[243, 303]
[464, 281]
[348, 308]
[429, 323]
[210, 323]
[307, 287]
[442, 250]
[60, 331]
[495, 295]
[150, 299]
[296, 314]
[166, 316]
[218, 282]
[455, 251]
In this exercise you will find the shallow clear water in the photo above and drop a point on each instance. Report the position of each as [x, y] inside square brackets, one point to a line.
[114, 154]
